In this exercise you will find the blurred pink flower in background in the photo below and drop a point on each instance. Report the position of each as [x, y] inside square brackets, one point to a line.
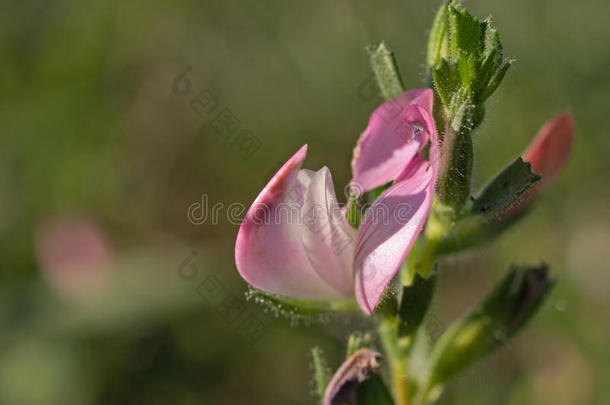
[73, 256]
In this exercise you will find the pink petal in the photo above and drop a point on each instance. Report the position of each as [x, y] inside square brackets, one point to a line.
[392, 224]
[388, 143]
[356, 369]
[547, 153]
[269, 251]
[549, 150]
[328, 239]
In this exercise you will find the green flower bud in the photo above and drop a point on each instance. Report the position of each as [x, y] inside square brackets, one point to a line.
[466, 64]
[491, 324]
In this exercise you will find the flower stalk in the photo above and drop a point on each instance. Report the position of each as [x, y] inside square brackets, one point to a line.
[396, 349]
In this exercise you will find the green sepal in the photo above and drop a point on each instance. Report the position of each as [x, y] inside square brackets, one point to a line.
[492, 44]
[414, 303]
[464, 33]
[446, 81]
[298, 309]
[353, 214]
[385, 68]
[357, 341]
[496, 79]
[321, 372]
[373, 391]
[468, 67]
[505, 189]
[373, 194]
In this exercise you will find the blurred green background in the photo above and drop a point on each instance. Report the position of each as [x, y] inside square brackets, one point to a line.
[110, 295]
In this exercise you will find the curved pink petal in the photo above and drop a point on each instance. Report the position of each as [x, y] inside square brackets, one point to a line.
[269, 251]
[550, 148]
[388, 143]
[328, 239]
[392, 224]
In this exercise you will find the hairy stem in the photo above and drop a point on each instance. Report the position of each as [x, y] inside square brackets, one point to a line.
[396, 349]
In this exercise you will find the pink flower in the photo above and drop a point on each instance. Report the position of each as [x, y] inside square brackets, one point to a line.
[73, 256]
[547, 154]
[295, 241]
[550, 148]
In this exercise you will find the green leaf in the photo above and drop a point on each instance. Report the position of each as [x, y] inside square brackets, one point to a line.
[438, 41]
[494, 66]
[414, 303]
[373, 391]
[321, 375]
[492, 42]
[446, 81]
[487, 69]
[464, 33]
[496, 79]
[463, 68]
[385, 68]
[506, 188]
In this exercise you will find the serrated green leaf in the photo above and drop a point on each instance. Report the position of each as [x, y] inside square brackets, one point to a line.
[487, 69]
[385, 68]
[373, 391]
[446, 82]
[496, 79]
[505, 188]
[414, 303]
[460, 108]
[491, 40]
[463, 69]
[464, 33]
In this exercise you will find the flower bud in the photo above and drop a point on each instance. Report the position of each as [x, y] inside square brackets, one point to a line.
[550, 148]
[355, 370]
[492, 323]
[465, 63]
[508, 196]
[546, 154]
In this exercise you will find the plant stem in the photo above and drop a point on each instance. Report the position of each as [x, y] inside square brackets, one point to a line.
[396, 350]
